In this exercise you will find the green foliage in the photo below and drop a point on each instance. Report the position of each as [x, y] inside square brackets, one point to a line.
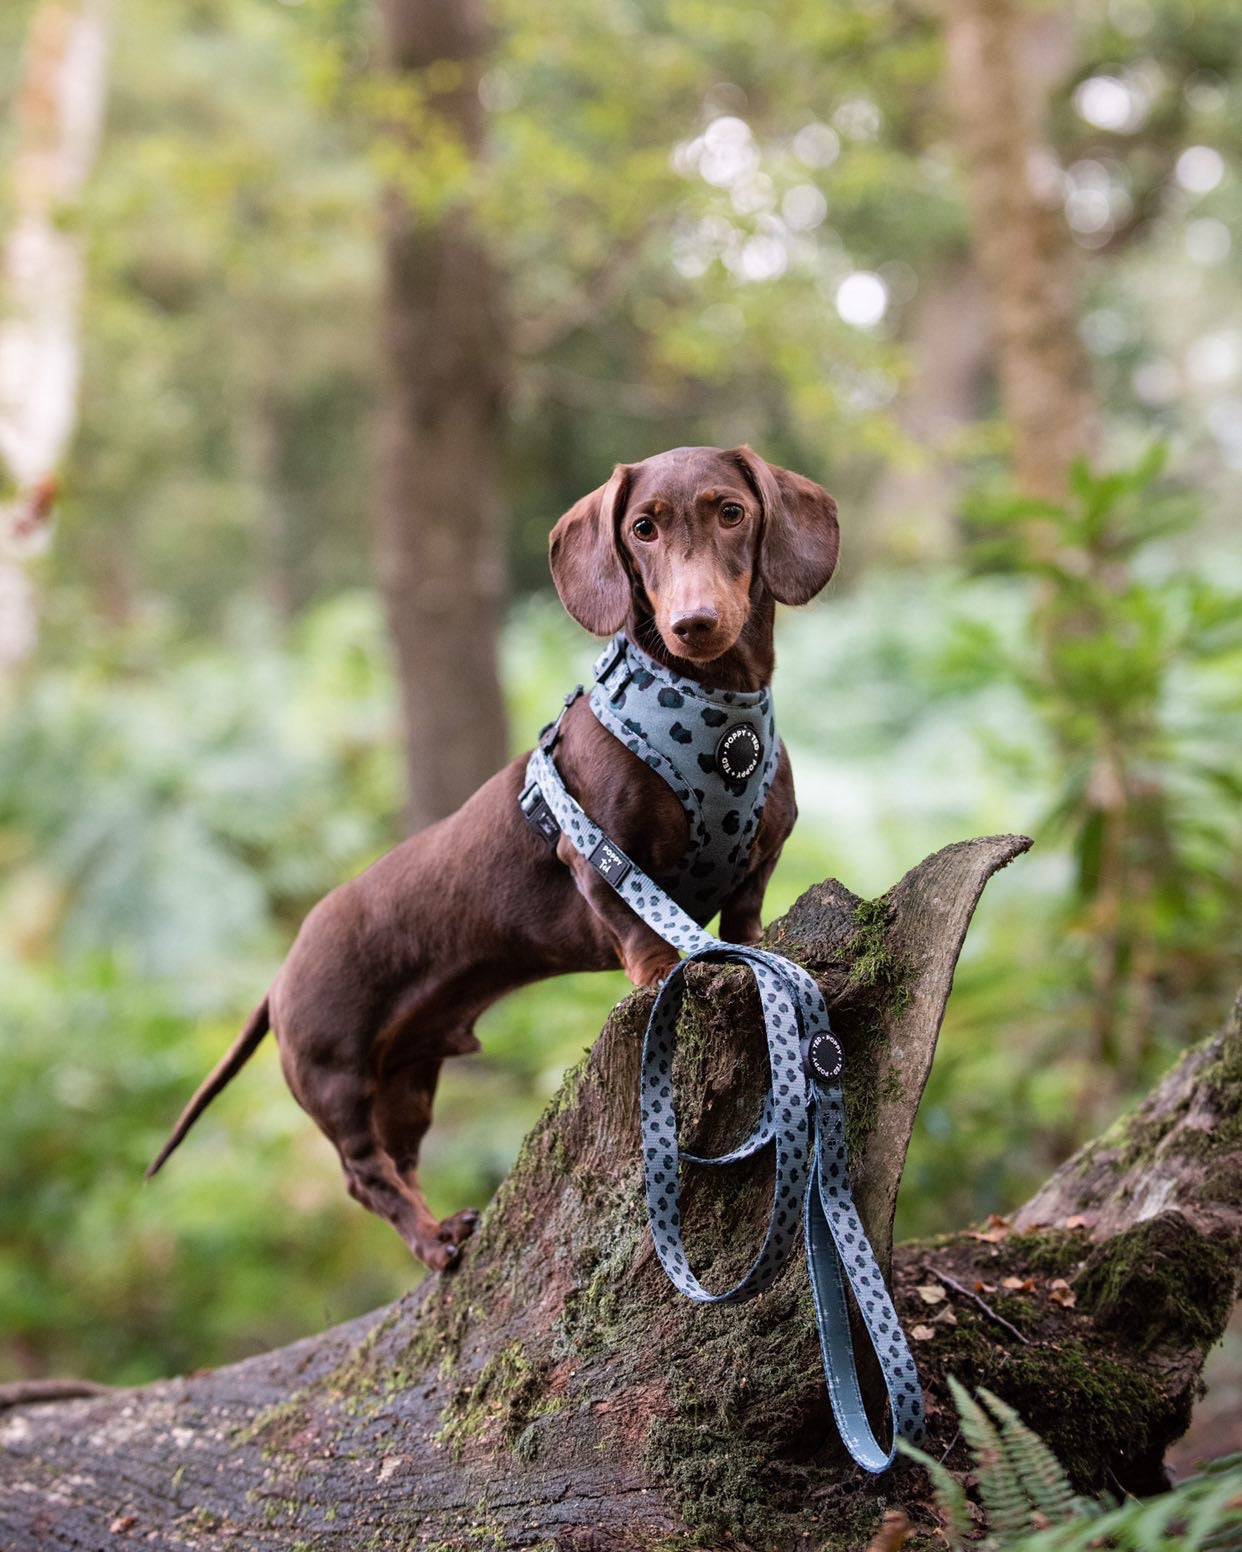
[207, 741]
[1030, 1505]
[1130, 661]
[158, 804]
[1018, 1475]
[1202, 1514]
[950, 1495]
[1038, 1472]
[106, 1275]
[227, 342]
[165, 821]
[658, 284]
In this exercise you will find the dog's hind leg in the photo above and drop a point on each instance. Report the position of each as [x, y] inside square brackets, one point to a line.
[402, 1116]
[344, 1109]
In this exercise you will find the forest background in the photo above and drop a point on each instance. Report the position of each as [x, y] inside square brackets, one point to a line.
[365, 309]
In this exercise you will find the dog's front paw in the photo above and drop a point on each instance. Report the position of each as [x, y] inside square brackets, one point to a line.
[459, 1228]
[454, 1232]
[444, 1251]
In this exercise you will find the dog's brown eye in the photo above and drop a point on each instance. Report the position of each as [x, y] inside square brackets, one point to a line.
[644, 528]
[731, 514]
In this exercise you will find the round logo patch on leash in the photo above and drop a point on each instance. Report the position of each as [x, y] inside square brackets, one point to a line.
[739, 752]
[824, 1058]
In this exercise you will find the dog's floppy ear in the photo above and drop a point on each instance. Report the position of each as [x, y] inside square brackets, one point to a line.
[798, 548]
[586, 566]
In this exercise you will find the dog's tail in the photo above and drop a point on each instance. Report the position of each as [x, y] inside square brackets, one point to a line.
[230, 1064]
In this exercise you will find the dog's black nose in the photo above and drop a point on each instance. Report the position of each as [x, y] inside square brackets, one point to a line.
[694, 624]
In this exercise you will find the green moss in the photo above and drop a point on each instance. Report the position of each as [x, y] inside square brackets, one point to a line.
[1093, 1411]
[1076, 1381]
[1133, 1137]
[878, 992]
[873, 961]
[965, 1348]
[486, 1536]
[275, 1427]
[1222, 1181]
[729, 1440]
[600, 1314]
[1160, 1281]
[715, 1453]
[1088, 1408]
[1044, 1252]
[723, 1484]
[508, 1395]
[874, 965]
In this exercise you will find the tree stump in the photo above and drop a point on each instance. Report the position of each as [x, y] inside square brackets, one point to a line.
[556, 1392]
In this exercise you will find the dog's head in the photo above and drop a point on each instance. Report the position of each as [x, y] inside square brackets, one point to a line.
[690, 539]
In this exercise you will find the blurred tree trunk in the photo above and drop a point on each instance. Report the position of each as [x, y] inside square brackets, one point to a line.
[439, 545]
[557, 1392]
[57, 118]
[950, 360]
[1001, 61]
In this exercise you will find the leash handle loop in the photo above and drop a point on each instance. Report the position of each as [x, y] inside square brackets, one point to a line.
[785, 1123]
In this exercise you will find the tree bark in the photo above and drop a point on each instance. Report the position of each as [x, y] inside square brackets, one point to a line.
[437, 512]
[999, 58]
[557, 1393]
[58, 117]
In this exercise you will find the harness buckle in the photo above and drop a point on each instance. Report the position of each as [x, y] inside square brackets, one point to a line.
[550, 734]
[608, 660]
[538, 815]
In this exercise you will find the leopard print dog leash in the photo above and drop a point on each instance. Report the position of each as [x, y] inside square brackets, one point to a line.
[803, 1117]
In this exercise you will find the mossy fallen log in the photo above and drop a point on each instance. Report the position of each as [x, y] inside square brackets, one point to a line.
[557, 1393]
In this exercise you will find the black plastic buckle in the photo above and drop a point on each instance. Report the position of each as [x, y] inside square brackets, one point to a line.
[539, 816]
[550, 735]
[601, 678]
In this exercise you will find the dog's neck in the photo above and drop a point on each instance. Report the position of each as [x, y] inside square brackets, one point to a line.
[746, 666]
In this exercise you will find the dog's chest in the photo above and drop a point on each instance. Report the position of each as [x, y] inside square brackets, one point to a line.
[716, 750]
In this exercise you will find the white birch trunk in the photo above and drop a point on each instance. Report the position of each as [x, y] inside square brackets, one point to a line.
[58, 113]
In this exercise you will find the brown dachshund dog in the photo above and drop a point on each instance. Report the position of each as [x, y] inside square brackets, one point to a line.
[690, 551]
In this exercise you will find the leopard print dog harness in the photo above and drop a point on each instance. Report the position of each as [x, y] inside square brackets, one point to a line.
[718, 752]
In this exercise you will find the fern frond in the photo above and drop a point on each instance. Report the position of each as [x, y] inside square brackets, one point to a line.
[1007, 1507]
[1216, 1520]
[950, 1496]
[1202, 1514]
[1040, 1474]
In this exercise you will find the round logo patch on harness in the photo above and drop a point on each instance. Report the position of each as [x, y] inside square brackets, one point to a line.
[824, 1058]
[739, 752]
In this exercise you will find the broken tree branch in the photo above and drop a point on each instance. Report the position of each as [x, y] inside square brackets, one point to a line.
[557, 1392]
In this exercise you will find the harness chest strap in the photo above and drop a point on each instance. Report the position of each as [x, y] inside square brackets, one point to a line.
[717, 751]
[803, 1117]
